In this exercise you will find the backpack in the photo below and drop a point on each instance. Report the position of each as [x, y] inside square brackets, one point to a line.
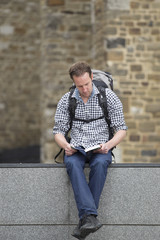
[102, 80]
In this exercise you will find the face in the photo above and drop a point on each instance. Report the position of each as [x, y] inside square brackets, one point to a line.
[84, 84]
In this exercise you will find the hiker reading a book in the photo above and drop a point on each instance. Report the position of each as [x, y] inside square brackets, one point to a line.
[89, 128]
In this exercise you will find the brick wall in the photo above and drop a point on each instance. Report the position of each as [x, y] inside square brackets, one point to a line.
[123, 38]
[66, 38]
[132, 50]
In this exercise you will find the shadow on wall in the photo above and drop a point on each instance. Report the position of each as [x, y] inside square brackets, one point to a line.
[29, 154]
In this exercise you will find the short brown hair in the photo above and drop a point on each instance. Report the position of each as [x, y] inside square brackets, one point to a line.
[79, 69]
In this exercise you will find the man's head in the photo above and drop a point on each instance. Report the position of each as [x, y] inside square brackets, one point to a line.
[78, 69]
[82, 76]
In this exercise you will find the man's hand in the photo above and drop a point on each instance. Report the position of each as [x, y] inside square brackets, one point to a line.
[69, 151]
[103, 149]
[61, 141]
[118, 137]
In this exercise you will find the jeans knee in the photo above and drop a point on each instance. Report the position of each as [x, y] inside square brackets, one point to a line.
[71, 163]
[101, 163]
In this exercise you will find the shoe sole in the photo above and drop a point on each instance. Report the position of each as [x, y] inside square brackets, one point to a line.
[78, 237]
[86, 231]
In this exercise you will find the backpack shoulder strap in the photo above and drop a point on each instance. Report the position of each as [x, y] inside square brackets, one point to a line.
[72, 106]
[103, 104]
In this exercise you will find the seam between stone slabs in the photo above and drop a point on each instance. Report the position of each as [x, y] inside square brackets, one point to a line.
[110, 224]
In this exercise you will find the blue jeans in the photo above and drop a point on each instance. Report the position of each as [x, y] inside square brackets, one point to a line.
[87, 194]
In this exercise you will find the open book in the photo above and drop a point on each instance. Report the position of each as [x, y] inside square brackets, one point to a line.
[90, 148]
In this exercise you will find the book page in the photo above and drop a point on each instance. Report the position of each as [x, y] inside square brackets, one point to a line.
[92, 148]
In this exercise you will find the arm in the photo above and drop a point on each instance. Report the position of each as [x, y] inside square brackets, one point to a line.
[115, 111]
[118, 137]
[62, 125]
[61, 141]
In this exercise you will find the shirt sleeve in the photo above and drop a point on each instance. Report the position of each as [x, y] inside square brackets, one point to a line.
[115, 111]
[62, 119]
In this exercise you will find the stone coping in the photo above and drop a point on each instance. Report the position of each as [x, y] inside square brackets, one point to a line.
[61, 165]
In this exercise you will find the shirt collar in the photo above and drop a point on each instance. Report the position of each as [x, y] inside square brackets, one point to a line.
[78, 97]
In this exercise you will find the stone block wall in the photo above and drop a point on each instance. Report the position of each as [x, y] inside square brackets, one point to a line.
[66, 38]
[132, 47]
[122, 37]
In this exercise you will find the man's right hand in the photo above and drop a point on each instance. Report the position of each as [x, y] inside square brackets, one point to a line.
[69, 151]
[61, 141]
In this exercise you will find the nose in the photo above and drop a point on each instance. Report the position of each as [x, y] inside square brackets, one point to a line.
[84, 89]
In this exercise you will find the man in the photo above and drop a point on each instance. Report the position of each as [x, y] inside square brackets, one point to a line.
[85, 134]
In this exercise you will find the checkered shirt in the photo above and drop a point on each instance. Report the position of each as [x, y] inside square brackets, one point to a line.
[95, 132]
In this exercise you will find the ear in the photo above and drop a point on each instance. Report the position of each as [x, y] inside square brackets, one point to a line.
[91, 76]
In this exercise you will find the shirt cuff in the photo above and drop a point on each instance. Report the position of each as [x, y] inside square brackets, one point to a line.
[121, 128]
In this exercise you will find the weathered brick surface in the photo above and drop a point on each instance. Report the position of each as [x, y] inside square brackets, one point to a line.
[146, 127]
[55, 2]
[114, 56]
[136, 68]
[134, 138]
[134, 31]
[66, 38]
[141, 60]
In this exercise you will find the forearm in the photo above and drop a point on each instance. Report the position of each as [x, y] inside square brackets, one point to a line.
[61, 140]
[118, 137]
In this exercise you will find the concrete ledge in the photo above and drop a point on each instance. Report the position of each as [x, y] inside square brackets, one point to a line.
[37, 203]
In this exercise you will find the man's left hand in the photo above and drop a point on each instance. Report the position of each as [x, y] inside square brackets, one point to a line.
[104, 149]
